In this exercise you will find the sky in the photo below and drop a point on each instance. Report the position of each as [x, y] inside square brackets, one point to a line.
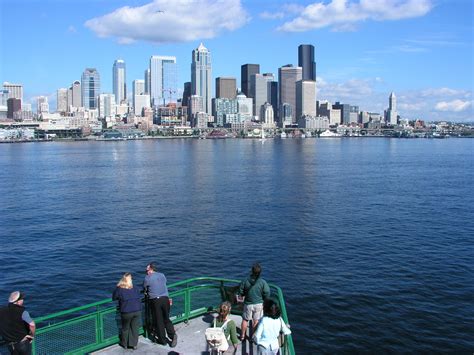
[422, 50]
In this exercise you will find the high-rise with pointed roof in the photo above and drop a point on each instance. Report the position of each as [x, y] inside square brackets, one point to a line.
[201, 76]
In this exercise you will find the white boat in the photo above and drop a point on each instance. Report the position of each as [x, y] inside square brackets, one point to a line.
[283, 135]
[329, 134]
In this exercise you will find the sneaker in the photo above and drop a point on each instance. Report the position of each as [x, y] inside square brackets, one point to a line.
[174, 342]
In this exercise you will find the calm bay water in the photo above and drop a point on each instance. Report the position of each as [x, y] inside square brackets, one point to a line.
[372, 240]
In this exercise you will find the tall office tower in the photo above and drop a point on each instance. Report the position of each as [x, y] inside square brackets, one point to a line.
[147, 81]
[15, 91]
[74, 95]
[201, 76]
[246, 72]
[345, 112]
[13, 106]
[107, 105]
[267, 115]
[391, 113]
[42, 105]
[288, 75]
[226, 87]
[306, 61]
[244, 107]
[195, 105]
[261, 91]
[61, 100]
[353, 114]
[186, 93]
[90, 85]
[305, 98]
[163, 79]
[139, 87]
[119, 81]
[274, 98]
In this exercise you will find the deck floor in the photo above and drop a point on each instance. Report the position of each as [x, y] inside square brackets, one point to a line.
[191, 340]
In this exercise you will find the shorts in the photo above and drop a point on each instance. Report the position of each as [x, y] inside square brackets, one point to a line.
[253, 312]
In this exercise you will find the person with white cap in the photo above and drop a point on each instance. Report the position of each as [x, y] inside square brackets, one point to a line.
[17, 328]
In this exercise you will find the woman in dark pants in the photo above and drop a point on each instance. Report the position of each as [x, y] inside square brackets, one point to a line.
[129, 299]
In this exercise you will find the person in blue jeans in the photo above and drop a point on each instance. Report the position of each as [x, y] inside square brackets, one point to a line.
[129, 300]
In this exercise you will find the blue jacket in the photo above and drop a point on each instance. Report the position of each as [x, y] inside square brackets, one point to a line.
[129, 299]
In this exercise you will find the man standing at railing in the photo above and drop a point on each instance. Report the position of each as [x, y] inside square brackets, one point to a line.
[16, 326]
[159, 302]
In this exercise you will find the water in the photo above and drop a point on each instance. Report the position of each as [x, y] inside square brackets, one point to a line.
[370, 239]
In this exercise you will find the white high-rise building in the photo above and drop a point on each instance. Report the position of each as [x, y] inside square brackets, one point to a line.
[61, 100]
[266, 115]
[163, 80]
[244, 107]
[391, 114]
[42, 105]
[15, 91]
[305, 98]
[201, 76]
[119, 81]
[107, 105]
[140, 98]
[261, 91]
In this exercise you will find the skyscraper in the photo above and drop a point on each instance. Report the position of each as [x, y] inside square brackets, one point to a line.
[186, 93]
[306, 61]
[15, 91]
[74, 95]
[391, 114]
[90, 84]
[288, 75]
[147, 81]
[163, 79]
[119, 81]
[305, 98]
[107, 105]
[201, 76]
[61, 100]
[246, 72]
[226, 87]
[261, 91]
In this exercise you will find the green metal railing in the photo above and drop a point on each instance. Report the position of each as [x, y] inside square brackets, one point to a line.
[95, 326]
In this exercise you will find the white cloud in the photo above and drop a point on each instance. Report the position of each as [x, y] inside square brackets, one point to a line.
[344, 15]
[455, 105]
[444, 92]
[272, 15]
[164, 21]
[286, 10]
[72, 29]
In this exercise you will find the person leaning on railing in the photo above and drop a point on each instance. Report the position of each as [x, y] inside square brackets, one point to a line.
[17, 328]
[129, 299]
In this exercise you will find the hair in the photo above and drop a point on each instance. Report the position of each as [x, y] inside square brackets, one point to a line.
[256, 270]
[271, 309]
[153, 266]
[224, 310]
[125, 281]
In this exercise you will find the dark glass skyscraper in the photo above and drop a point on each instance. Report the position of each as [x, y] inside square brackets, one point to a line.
[306, 61]
[247, 70]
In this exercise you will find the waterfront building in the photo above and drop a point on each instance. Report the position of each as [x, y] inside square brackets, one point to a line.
[305, 98]
[306, 61]
[172, 115]
[288, 75]
[107, 105]
[326, 109]
[13, 106]
[246, 72]
[286, 115]
[222, 107]
[15, 91]
[353, 114]
[42, 105]
[267, 117]
[119, 81]
[201, 76]
[345, 112]
[201, 119]
[61, 100]
[163, 80]
[311, 122]
[90, 85]
[226, 87]
[261, 91]
[391, 114]
[244, 108]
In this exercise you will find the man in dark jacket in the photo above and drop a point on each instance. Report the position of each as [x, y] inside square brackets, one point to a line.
[255, 289]
[16, 326]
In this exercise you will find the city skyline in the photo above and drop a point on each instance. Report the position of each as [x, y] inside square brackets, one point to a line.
[360, 59]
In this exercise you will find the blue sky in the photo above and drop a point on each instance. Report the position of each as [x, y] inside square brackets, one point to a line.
[420, 49]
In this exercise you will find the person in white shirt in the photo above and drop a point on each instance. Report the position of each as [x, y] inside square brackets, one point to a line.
[269, 328]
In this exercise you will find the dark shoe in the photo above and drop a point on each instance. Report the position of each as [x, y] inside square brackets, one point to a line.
[174, 342]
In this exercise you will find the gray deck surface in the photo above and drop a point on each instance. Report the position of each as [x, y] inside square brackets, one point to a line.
[191, 340]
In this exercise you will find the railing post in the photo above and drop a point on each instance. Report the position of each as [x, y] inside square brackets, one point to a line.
[187, 302]
[99, 324]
